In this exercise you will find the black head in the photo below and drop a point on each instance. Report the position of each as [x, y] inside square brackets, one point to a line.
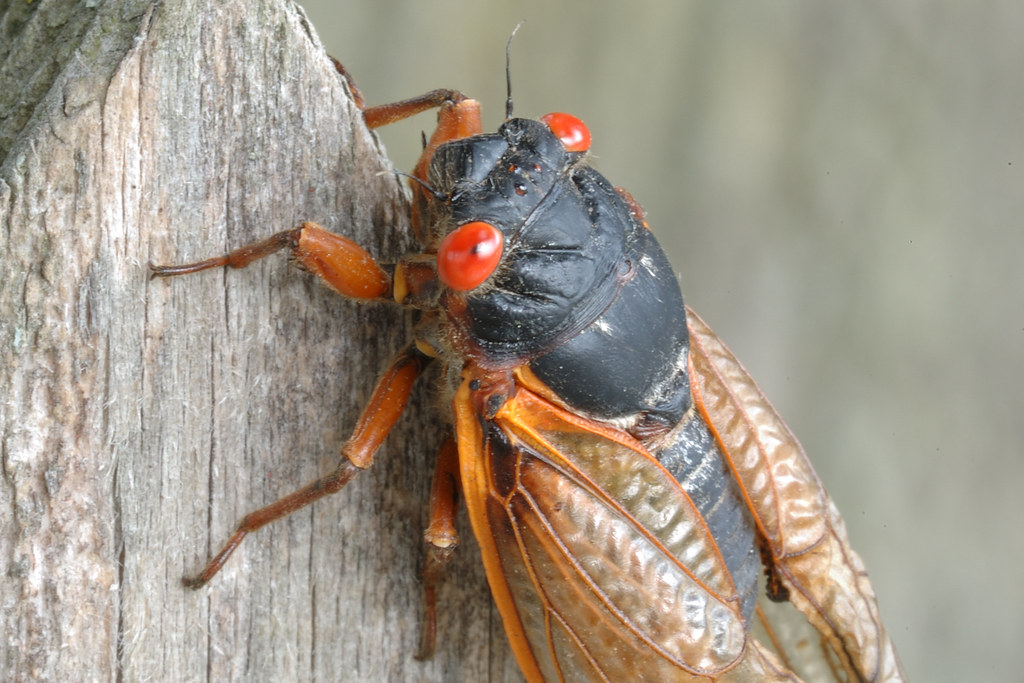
[560, 243]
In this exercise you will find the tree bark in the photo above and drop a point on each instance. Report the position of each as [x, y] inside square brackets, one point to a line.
[142, 418]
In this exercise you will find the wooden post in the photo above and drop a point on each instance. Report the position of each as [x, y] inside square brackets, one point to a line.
[142, 418]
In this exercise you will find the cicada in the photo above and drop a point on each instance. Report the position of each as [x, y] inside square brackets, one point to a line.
[626, 480]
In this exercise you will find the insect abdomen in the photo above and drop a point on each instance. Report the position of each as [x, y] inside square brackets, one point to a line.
[692, 456]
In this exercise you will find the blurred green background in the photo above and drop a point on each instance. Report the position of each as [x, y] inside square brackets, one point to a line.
[841, 189]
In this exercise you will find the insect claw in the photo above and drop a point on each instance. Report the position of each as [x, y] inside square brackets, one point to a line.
[193, 582]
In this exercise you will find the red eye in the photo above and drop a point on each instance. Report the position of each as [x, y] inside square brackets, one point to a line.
[573, 133]
[468, 255]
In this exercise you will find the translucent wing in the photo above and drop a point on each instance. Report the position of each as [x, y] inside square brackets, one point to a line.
[804, 535]
[599, 563]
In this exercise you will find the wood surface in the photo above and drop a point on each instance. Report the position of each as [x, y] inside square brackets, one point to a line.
[142, 418]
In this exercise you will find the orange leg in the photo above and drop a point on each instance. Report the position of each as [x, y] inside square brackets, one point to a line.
[441, 538]
[357, 94]
[350, 270]
[380, 415]
[458, 117]
[337, 260]
[383, 114]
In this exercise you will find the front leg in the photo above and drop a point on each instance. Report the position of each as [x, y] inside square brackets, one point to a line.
[337, 260]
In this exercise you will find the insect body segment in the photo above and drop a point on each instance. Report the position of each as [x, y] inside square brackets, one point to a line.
[622, 494]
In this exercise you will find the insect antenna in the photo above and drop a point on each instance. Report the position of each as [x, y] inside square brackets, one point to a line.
[508, 72]
[434, 193]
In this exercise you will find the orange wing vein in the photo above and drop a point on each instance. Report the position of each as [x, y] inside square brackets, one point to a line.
[600, 564]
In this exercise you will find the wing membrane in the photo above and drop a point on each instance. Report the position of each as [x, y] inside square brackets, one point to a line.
[805, 534]
[600, 564]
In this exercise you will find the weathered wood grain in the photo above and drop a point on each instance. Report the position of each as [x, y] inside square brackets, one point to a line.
[140, 419]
